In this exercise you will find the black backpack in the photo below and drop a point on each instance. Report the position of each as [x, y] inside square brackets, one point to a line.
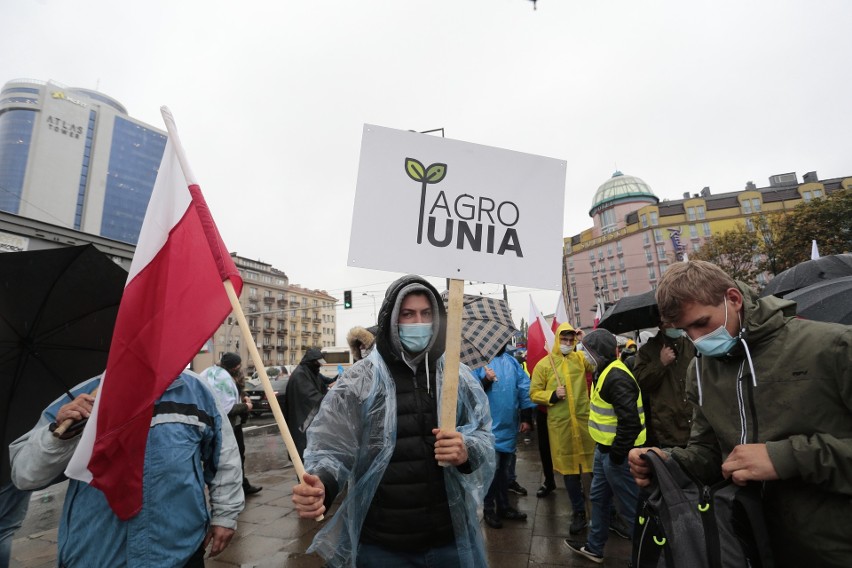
[681, 523]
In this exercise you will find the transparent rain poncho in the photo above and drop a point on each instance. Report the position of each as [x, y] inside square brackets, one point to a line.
[352, 439]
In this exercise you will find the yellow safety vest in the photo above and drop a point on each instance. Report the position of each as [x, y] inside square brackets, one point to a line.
[602, 419]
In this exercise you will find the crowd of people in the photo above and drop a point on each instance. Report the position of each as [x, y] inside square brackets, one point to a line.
[731, 386]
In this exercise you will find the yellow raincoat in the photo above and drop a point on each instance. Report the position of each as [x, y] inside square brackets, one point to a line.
[571, 446]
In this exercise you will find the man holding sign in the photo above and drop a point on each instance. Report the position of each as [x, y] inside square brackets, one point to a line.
[376, 435]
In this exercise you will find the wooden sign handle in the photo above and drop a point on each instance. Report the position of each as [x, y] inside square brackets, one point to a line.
[450, 385]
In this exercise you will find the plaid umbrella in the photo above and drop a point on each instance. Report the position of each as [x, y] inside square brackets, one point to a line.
[486, 327]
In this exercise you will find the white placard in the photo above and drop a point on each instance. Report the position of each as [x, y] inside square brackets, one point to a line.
[440, 207]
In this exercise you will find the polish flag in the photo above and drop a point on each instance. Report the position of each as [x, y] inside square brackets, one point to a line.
[598, 315]
[173, 302]
[560, 315]
[539, 338]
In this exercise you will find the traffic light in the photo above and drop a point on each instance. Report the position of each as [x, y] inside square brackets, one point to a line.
[347, 299]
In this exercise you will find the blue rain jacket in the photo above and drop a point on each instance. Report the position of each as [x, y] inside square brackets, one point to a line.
[190, 446]
[509, 393]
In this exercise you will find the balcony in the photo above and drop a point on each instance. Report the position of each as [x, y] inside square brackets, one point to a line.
[282, 332]
[305, 347]
[281, 348]
[282, 303]
[306, 334]
[268, 300]
[317, 320]
[317, 335]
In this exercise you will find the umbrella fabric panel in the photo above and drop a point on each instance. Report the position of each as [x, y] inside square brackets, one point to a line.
[631, 313]
[486, 327]
[809, 272]
[829, 301]
[57, 313]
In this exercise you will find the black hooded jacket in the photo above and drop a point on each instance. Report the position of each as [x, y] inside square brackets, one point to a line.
[304, 394]
[620, 390]
[410, 510]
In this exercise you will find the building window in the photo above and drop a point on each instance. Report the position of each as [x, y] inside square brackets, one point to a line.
[646, 238]
[658, 235]
[609, 250]
[661, 252]
[592, 255]
[615, 295]
[654, 221]
[608, 223]
[755, 205]
[612, 266]
[603, 282]
[749, 224]
[618, 247]
[570, 263]
[600, 253]
[693, 231]
[621, 263]
[252, 292]
[690, 213]
[817, 193]
[663, 268]
[806, 195]
[746, 205]
[651, 274]
[644, 220]
[700, 210]
[574, 291]
[624, 279]
[648, 256]
[707, 231]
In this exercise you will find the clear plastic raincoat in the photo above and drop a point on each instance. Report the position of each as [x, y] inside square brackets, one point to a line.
[352, 440]
[571, 446]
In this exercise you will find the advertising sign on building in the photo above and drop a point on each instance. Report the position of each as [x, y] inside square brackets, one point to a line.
[451, 209]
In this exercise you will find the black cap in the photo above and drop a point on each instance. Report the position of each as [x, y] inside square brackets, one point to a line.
[230, 360]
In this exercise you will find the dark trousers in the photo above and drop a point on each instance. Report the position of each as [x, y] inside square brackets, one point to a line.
[241, 445]
[499, 489]
[544, 447]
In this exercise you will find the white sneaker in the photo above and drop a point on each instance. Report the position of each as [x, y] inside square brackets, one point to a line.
[580, 548]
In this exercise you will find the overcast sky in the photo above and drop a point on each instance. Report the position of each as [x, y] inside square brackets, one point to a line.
[270, 99]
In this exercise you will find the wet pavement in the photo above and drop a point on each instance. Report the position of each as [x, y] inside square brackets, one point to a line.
[270, 533]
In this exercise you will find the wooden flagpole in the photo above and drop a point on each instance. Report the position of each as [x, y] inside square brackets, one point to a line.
[452, 358]
[264, 380]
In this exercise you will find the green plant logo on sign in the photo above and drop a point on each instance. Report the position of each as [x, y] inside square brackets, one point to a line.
[433, 174]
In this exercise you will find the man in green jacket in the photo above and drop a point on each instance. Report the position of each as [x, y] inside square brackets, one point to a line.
[773, 400]
[660, 369]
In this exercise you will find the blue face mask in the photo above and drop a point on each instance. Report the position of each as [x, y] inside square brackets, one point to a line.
[718, 342]
[415, 336]
[673, 332]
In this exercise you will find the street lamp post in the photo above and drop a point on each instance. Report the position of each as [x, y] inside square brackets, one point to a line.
[373, 297]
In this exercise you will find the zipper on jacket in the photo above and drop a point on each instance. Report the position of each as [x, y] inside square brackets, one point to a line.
[741, 406]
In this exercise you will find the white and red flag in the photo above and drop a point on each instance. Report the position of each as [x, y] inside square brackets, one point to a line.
[598, 314]
[560, 315]
[539, 338]
[173, 302]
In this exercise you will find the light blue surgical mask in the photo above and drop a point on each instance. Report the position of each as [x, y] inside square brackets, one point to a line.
[673, 332]
[718, 342]
[415, 336]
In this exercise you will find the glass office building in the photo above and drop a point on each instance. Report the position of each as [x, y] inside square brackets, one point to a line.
[75, 158]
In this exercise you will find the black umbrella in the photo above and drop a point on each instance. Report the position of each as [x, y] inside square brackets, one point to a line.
[825, 301]
[809, 272]
[57, 313]
[486, 327]
[631, 313]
